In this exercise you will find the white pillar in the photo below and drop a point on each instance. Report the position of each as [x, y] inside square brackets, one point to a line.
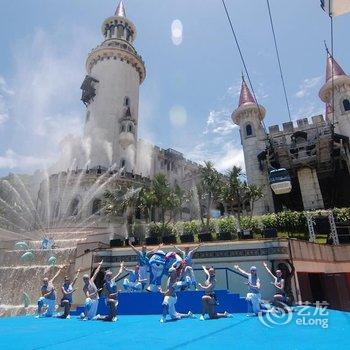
[310, 189]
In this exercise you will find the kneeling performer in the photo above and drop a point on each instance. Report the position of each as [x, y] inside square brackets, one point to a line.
[91, 293]
[209, 300]
[170, 299]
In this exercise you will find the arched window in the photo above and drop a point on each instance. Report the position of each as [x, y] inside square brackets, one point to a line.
[346, 105]
[74, 207]
[122, 163]
[126, 101]
[87, 116]
[120, 31]
[248, 130]
[128, 35]
[96, 206]
[129, 128]
[122, 128]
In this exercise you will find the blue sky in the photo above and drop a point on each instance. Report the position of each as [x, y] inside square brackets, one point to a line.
[44, 44]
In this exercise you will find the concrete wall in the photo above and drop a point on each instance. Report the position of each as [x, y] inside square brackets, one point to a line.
[310, 189]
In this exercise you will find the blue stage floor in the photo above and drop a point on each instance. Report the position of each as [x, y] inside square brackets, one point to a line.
[146, 332]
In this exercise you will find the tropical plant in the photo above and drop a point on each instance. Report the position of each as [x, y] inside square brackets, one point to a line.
[253, 193]
[208, 190]
[190, 227]
[227, 225]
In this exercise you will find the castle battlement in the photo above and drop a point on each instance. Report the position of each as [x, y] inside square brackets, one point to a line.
[304, 124]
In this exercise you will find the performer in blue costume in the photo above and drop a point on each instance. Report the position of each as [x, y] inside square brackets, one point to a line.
[48, 296]
[110, 288]
[187, 256]
[157, 270]
[91, 293]
[134, 282]
[253, 296]
[170, 299]
[67, 292]
[143, 260]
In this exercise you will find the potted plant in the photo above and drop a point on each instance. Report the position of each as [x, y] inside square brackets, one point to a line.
[207, 232]
[154, 234]
[227, 228]
[247, 224]
[168, 236]
[190, 229]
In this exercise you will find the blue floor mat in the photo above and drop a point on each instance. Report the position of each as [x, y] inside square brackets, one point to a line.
[145, 332]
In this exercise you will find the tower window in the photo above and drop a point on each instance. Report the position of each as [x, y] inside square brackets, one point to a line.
[122, 128]
[120, 31]
[87, 116]
[129, 128]
[126, 101]
[122, 163]
[248, 130]
[346, 105]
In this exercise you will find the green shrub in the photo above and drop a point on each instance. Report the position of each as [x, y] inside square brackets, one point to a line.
[160, 230]
[249, 223]
[342, 215]
[208, 228]
[190, 228]
[227, 225]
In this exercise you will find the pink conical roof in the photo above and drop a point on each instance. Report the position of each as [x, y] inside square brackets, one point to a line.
[337, 70]
[120, 11]
[245, 96]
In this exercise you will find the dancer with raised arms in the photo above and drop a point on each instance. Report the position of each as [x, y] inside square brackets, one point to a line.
[134, 282]
[170, 299]
[187, 256]
[48, 296]
[110, 288]
[253, 296]
[280, 295]
[209, 300]
[67, 292]
[91, 294]
[143, 260]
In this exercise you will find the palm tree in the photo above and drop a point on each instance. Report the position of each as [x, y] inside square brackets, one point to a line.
[232, 190]
[162, 195]
[208, 188]
[147, 202]
[253, 194]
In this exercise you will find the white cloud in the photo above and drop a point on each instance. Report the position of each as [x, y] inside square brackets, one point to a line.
[219, 122]
[307, 85]
[13, 160]
[223, 157]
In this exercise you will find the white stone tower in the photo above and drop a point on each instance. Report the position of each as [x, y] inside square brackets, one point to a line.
[111, 95]
[249, 116]
[341, 108]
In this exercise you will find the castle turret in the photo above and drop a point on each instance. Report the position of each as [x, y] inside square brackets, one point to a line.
[249, 116]
[111, 94]
[341, 84]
